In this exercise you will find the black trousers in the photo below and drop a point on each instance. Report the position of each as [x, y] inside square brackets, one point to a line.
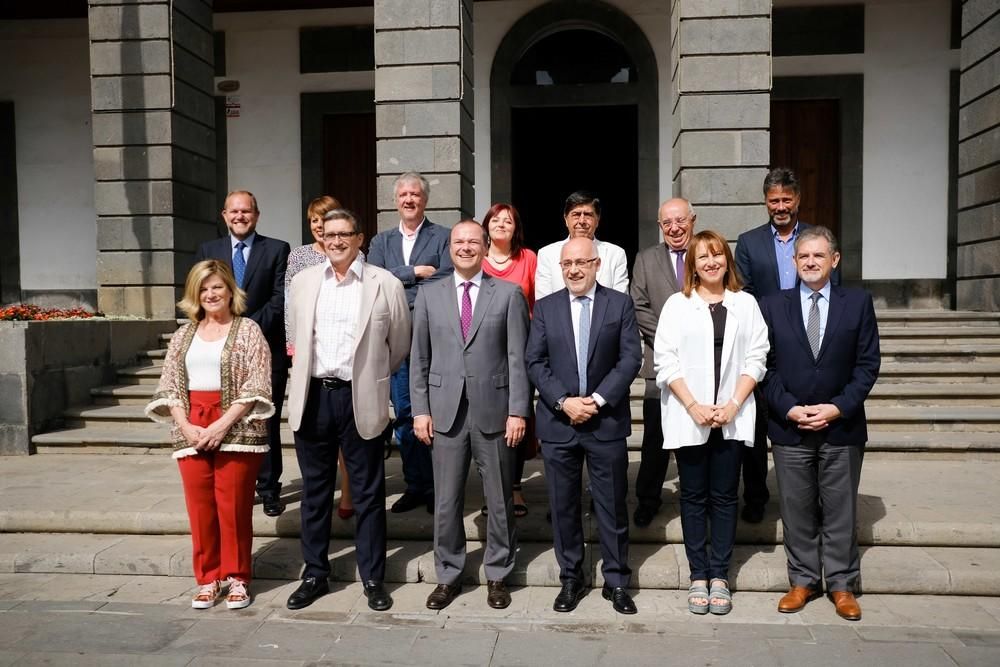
[755, 491]
[654, 458]
[327, 427]
[269, 476]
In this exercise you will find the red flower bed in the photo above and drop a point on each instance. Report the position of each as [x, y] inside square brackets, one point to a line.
[27, 311]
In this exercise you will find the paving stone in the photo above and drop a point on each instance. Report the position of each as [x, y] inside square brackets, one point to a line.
[978, 637]
[213, 636]
[141, 554]
[973, 656]
[76, 659]
[919, 610]
[857, 653]
[292, 641]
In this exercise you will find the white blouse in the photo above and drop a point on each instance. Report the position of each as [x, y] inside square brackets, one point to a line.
[204, 364]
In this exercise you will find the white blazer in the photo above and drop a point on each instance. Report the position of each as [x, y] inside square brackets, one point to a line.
[684, 347]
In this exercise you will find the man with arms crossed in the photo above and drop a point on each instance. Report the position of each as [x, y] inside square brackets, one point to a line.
[350, 326]
[658, 274]
[259, 263]
[583, 353]
[823, 362]
[470, 397]
[417, 254]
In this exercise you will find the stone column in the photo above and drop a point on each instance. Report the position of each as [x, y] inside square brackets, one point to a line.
[154, 148]
[424, 103]
[721, 74]
[978, 287]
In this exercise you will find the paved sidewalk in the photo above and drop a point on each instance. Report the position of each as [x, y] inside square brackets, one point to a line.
[126, 620]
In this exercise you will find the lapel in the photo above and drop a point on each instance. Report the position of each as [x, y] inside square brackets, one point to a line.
[666, 267]
[419, 244]
[833, 317]
[565, 326]
[483, 299]
[369, 292]
[309, 295]
[793, 310]
[596, 320]
[452, 313]
[767, 240]
[394, 247]
[732, 327]
[257, 251]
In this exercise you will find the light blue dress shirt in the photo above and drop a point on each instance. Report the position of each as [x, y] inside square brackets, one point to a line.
[784, 252]
[805, 295]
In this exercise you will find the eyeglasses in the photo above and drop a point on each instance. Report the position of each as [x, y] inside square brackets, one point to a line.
[340, 236]
[568, 264]
[679, 222]
[582, 215]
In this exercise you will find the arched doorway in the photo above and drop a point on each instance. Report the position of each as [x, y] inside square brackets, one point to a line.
[574, 106]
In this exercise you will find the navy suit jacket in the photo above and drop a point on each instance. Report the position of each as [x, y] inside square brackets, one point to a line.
[430, 249]
[615, 355]
[264, 284]
[758, 265]
[843, 374]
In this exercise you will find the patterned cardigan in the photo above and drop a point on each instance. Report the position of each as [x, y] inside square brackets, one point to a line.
[246, 378]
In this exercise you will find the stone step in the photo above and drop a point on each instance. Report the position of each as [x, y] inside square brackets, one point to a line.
[936, 317]
[939, 335]
[903, 570]
[938, 371]
[960, 352]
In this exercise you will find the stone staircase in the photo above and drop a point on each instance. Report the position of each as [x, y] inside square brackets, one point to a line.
[929, 521]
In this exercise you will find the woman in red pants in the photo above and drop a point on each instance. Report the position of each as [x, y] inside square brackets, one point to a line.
[216, 392]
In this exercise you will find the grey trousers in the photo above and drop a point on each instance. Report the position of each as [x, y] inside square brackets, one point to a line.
[451, 455]
[818, 490]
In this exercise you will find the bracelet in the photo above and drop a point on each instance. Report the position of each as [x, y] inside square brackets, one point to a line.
[735, 402]
[688, 406]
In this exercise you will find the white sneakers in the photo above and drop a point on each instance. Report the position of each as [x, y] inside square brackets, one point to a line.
[208, 595]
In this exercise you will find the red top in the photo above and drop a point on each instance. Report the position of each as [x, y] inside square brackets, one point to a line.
[519, 270]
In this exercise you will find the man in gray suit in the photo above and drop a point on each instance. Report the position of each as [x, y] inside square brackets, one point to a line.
[657, 275]
[470, 396]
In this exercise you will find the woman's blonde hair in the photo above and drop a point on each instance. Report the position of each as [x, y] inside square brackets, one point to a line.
[190, 305]
[714, 241]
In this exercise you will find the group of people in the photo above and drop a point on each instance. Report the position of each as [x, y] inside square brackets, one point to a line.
[458, 329]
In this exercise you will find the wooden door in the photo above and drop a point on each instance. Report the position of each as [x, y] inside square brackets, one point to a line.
[349, 165]
[805, 136]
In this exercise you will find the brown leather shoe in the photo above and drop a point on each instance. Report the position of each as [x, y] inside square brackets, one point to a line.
[847, 605]
[442, 595]
[795, 599]
[497, 595]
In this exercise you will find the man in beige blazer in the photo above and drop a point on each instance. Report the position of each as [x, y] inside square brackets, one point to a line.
[350, 325]
[657, 275]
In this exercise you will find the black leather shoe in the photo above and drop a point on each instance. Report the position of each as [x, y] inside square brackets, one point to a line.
[643, 516]
[378, 598]
[570, 595]
[442, 595]
[310, 590]
[496, 595]
[408, 501]
[620, 599]
[752, 513]
[272, 504]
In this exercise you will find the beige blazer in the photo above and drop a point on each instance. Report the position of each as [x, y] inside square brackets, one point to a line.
[381, 343]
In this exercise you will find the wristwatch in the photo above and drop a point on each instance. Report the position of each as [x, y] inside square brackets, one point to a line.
[558, 407]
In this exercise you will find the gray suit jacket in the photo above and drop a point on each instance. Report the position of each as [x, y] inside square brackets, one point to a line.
[654, 280]
[430, 249]
[488, 367]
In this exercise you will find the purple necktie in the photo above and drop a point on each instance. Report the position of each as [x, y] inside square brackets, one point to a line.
[466, 310]
[680, 268]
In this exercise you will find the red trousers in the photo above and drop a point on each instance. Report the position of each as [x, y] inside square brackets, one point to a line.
[219, 493]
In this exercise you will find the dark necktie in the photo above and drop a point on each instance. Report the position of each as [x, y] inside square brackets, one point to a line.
[680, 269]
[466, 310]
[239, 264]
[583, 343]
[812, 325]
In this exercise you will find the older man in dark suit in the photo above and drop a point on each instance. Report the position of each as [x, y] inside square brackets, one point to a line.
[416, 252]
[823, 363]
[657, 275]
[583, 354]
[259, 264]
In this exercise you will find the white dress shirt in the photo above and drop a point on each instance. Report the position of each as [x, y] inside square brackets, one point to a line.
[612, 274]
[476, 281]
[409, 239]
[338, 308]
[805, 294]
[575, 308]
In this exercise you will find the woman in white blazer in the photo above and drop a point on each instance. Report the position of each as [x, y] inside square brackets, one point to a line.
[709, 352]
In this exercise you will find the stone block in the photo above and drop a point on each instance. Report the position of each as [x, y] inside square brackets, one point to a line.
[150, 301]
[722, 112]
[979, 223]
[979, 186]
[129, 22]
[111, 300]
[415, 47]
[980, 78]
[979, 259]
[15, 440]
[13, 407]
[975, 12]
[730, 221]
[407, 14]
[90, 343]
[979, 116]
[192, 137]
[133, 163]
[686, 9]
[194, 71]
[978, 294]
[193, 169]
[722, 186]
[446, 191]
[417, 83]
[137, 268]
[423, 155]
[194, 37]
[736, 73]
[981, 43]
[140, 554]
[421, 119]
[131, 92]
[198, 11]
[725, 35]
[134, 198]
[133, 127]
[197, 105]
[12, 347]
[722, 149]
[979, 151]
[143, 57]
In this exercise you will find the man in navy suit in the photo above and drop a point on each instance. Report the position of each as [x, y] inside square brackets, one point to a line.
[583, 353]
[764, 259]
[416, 253]
[259, 264]
[823, 362]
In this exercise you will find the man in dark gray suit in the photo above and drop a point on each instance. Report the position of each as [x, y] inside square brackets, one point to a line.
[657, 275]
[471, 396]
[417, 253]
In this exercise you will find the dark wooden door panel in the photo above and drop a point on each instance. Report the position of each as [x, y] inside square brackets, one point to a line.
[349, 165]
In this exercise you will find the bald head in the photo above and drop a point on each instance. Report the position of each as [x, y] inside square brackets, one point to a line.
[676, 219]
[579, 262]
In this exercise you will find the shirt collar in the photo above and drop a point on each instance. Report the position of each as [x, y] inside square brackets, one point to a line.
[475, 280]
[589, 293]
[248, 241]
[805, 292]
[795, 231]
[408, 235]
[357, 267]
